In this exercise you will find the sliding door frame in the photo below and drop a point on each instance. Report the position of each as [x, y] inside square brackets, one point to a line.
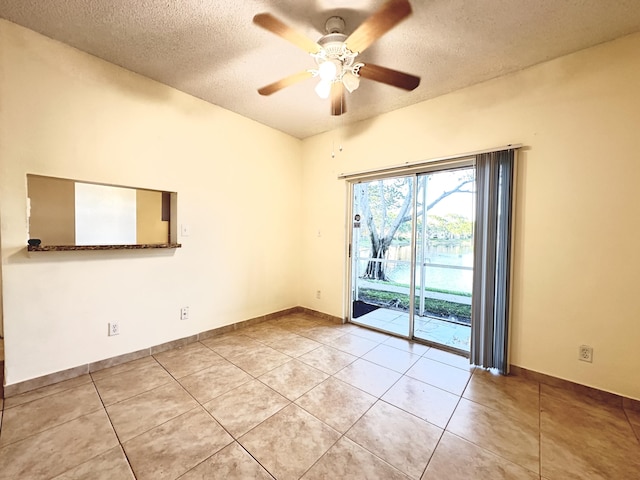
[407, 170]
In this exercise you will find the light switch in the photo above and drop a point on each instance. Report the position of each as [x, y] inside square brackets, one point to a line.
[184, 230]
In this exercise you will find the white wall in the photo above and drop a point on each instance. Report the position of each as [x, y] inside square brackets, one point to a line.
[577, 259]
[67, 114]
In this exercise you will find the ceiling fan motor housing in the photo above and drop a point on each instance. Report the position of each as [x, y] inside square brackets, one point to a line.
[334, 25]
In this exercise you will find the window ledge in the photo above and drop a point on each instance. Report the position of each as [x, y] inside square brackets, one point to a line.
[69, 248]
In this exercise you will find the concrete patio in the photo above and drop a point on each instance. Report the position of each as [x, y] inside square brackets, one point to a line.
[429, 329]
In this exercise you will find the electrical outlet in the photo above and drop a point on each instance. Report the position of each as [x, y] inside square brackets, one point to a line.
[114, 329]
[184, 313]
[318, 294]
[585, 353]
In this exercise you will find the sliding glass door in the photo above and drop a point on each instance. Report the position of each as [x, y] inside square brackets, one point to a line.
[414, 234]
[444, 258]
[382, 253]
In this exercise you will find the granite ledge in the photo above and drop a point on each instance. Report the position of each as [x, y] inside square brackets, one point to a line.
[70, 248]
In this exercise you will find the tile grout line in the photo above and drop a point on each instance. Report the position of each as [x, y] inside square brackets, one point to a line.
[291, 402]
[51, 427]
[444, 429]
[124, 452]
[539, 430]
[633, 429]
[480, 446]
[233, 438]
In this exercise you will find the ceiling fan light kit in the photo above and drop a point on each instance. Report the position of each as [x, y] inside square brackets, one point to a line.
[335, 54]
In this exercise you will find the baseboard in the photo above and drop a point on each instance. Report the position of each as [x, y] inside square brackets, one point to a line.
[591, 392]
[56, 377]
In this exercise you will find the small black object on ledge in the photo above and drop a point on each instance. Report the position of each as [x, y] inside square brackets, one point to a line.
[34, 242]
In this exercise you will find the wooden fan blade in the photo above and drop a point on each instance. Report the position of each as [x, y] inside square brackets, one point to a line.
[271, 23]
[285, 82]
[389, 76]
[338, 103]
[378, 24]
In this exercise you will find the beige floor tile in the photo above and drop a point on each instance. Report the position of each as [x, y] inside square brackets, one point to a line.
[423, 400]
[143, 412]
[297, 323]
[230, 463]
[277, 335]
[293, 379]
[246, 406]
[578, 440]
[449, 358]
[115, 388]
[517, 397]
[634, 419]
[259, 360]
[124, 367]
[336, 403]
[404, 441]
[111, 465]
[289, 442]
[46, 391]
[498, 433]
[348, 460]
[294, 345]
[372, 335]
[457, 459]
[231, 344]
[407, 346]
[58, 449]
[46, 412]
[633, 416]
[188, 359]
[176, 446]
[328, 359]
[267, 334]
[368, 376]
[207, 384]
[257, 329]
[578, 400]
[392, 358]
[353, 344]
[346, 327]
[440, 375]
[322, 333]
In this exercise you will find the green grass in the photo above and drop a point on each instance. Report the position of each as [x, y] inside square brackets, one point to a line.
[433, 306]
[428, 289]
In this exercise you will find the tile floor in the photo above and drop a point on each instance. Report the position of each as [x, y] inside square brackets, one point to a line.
[431, 329]
[299, 398]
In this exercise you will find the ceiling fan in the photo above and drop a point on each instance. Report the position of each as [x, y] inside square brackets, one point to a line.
[336, 54]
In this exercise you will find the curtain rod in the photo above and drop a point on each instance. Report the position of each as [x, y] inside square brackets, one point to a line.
[408, 165]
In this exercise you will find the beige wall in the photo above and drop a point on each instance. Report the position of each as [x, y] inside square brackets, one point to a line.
[150, 228]
[68, 114]
[71, 115]
[52, 211]
[578, 202]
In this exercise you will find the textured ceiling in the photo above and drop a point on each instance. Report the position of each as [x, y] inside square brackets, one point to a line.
[212, 50]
